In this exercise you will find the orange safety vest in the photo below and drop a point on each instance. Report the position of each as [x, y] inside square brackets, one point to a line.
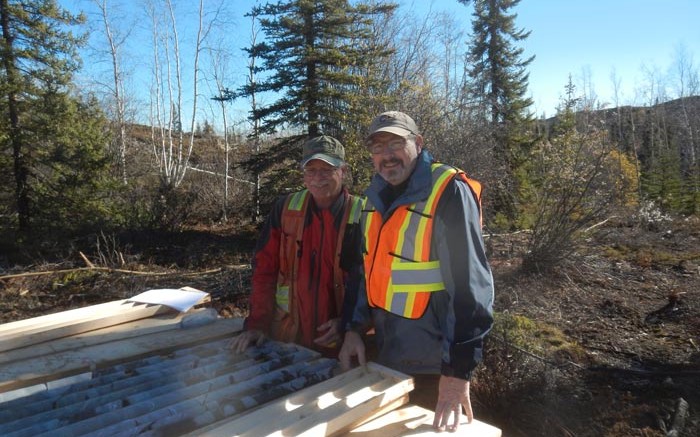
[285, 325]
[400, 274]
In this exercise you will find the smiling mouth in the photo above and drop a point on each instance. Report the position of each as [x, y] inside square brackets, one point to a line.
[390, 164]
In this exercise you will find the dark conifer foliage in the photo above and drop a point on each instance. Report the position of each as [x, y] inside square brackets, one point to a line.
[53, 137]
[499, 83]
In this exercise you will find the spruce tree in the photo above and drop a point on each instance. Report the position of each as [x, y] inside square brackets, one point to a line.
[313, 59]
[499, 82]
[54, 138]
[313, 52]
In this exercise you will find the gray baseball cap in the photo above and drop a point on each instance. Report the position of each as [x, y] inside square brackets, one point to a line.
[394, 122]
[325, 148]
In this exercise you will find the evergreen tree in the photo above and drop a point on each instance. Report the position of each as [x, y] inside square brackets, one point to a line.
[70, 180]
[499, 82]
[45, 130]
[313, 54]
[312, 61]
[662, 180]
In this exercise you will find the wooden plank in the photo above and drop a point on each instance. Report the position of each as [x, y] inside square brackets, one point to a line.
[57, 318]
[295, 412]
[336, 403]
[99, 316]
[414, 420]
[91, 338]
[355, 409]
[37, 370]
[380, 411]
[52, 326]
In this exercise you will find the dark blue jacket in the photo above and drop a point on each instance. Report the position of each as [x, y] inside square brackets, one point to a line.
[448, 338]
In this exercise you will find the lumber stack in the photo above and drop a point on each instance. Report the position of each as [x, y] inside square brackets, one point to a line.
[123, 369]
[44, 328]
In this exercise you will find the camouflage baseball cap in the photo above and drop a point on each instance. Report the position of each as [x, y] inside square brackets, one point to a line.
[325, 148]
[394, 122]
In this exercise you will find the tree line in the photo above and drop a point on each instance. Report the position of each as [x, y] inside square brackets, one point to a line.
[75, 161]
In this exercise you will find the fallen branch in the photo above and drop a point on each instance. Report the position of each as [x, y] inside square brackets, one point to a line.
[87, 261]
[646, 373]
[111, 270]
[598, 224]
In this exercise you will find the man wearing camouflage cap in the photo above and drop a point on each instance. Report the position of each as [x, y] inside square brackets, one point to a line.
[428, 288]
[297, 294]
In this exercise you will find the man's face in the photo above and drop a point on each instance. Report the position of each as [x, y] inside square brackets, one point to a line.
[394, 157]
[323, 181]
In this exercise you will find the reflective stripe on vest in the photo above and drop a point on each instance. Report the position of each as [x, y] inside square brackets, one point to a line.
[296, 200]
[400, 274]
[355, 209]
[282, 296]
[292, 224]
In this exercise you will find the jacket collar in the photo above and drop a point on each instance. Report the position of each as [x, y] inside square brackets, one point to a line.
[418, 188]
[336, 207]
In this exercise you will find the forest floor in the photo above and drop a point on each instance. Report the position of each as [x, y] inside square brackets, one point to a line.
[628, 309]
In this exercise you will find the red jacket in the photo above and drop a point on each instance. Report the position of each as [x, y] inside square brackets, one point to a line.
[315, 299]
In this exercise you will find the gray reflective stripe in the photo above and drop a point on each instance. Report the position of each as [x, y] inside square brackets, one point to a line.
[398, 303]
[418, 219]
[409, 277]
[408, 248]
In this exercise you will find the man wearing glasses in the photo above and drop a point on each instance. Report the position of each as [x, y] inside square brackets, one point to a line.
[428, 288]
[303, 255]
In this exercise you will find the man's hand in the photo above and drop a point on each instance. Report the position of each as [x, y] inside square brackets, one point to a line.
[241, 342]
[453, 395]
[353, 346]
[332, 335]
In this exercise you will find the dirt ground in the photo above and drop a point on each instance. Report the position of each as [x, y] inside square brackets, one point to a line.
[627, 307]
[631, 301]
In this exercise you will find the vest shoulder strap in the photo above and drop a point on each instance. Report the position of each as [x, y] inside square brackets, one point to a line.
[294, 213]
[474, 185]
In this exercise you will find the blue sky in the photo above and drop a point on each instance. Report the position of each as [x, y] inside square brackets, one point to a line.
[593, 38]
[587, 39]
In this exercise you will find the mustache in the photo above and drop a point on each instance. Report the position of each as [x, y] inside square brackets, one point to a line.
[390, 161]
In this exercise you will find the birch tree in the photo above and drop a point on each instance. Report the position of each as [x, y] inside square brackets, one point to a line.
[115, 43]
[172, 146]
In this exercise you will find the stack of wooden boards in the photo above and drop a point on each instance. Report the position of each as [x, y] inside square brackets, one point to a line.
[123, 368]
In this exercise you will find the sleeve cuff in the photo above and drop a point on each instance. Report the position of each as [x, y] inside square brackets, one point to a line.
[448, 370]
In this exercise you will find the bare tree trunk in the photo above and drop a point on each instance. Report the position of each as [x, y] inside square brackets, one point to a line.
[175, 152]
[118, 90]
[688, 83]
[254, 106]
[220, 68]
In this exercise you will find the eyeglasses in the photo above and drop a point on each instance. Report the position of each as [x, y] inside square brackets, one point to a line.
[323, 172]
[393, 146]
